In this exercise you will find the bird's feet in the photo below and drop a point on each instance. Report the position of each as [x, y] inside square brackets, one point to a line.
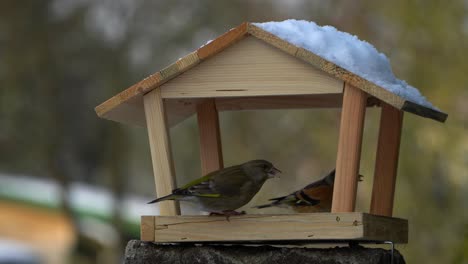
[227, 213]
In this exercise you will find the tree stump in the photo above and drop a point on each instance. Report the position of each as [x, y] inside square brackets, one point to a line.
[138, 252]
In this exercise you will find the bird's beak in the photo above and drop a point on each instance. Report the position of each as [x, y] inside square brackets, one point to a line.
[272, 173]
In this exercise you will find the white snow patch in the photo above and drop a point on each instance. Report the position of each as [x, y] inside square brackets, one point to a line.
[346, 51]
[83, 197]
[16, 252]
[206, 43]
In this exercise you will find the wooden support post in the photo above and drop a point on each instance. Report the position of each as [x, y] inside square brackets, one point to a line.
[160, 146]
[349, 149]
[386, 162]
[210, 138]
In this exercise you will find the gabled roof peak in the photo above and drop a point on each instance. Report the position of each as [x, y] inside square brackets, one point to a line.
[349, 59]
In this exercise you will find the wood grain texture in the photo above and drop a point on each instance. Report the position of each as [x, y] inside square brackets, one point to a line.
[147, 228]
[349, 149]
[180, 109]
[130, 112]
[223, 41]
[419, 110]
[187, 62]
[279, 102]
[127, 106]
[386, 162]
[211, 153]
[160, 147]
[395, 229]
[120, 107]
[177, 110]
[291, 227]
[251, 68]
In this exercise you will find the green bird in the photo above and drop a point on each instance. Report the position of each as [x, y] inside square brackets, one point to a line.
[223, 191]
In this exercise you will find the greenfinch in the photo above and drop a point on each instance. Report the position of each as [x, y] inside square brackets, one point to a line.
[223, 191]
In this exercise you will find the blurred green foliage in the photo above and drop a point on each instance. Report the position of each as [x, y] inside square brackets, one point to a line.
[59, 59]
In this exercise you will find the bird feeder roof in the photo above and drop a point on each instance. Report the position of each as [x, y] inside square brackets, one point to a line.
[347, 59]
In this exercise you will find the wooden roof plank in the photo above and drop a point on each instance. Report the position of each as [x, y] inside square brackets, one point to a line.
[105, 110]
[351, 78]
[347, 76]
[223, 41]
[272, 40]
[423, 111]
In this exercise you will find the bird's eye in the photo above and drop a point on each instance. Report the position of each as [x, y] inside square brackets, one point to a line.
[265, 166]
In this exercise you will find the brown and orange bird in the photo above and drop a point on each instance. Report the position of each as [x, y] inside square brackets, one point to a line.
[315, 197]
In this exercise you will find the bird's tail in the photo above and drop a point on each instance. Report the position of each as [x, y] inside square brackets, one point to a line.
[164, 198]
[276, 202]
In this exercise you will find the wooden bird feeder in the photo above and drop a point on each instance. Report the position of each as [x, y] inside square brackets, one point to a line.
[249, 68]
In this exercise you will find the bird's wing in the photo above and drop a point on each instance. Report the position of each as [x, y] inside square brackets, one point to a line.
[312, 194]
[316, 193]
[230, 181]
[199, 187]
[198, 181]
[225, 181]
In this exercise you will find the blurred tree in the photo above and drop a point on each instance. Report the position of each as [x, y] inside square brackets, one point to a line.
[53, 75]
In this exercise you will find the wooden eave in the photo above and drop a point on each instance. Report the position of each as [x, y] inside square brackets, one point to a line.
[127, 106]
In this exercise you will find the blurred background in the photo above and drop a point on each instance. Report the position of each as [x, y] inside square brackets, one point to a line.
[72, 186]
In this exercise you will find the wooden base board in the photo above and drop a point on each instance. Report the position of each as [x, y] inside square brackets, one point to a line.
[274, 228]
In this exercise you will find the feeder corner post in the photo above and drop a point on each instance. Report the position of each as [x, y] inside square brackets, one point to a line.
[386, 162]
[349, 149]
[211, 154]
[160, 147]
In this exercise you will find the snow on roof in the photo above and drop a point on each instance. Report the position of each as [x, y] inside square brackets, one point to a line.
[346, 51]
